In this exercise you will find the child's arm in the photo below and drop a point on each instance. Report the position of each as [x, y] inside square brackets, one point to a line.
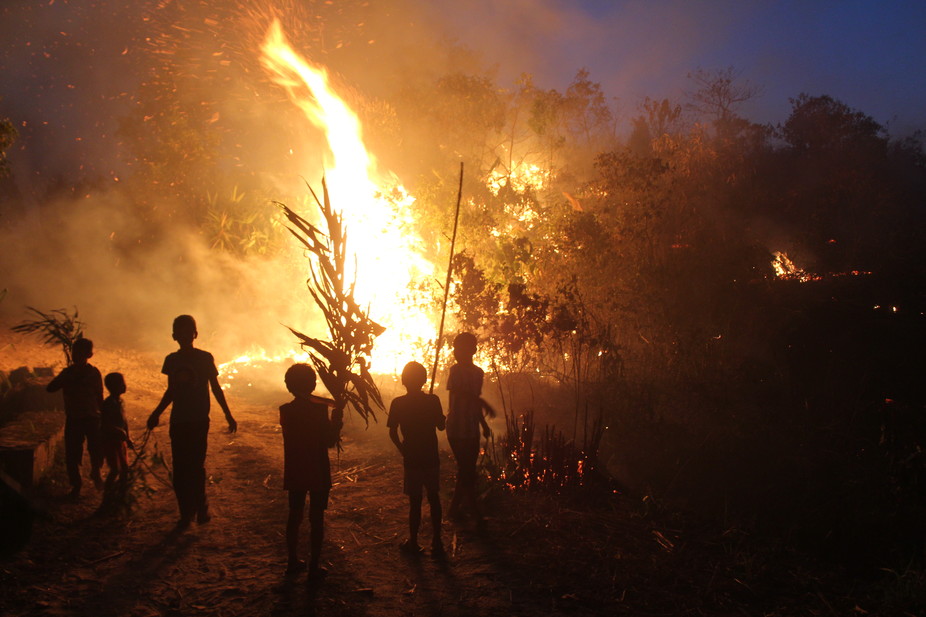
[334, 426]
[486, 431]
[98, 387]
[394, 436]
[220, 398]
[441, 423]
[57, 383]
[166, 400]
[321, 399]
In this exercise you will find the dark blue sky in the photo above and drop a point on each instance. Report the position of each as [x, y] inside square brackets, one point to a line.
[870, 55]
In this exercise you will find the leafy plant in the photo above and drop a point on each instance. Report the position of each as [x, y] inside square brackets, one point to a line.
[57, 327]
[341, 363]
[238, 225]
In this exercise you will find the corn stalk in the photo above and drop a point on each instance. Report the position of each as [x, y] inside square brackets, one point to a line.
[342, 362]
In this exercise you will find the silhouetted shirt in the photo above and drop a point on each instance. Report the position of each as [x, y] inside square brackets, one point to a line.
[82, 386]
[419, 416]
[465, 386]
[188, 373]
[114, 427]
[307, 435]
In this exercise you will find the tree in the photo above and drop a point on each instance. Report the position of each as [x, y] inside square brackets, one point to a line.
[662, 117]
[578, 123]
[822, 123]
[719, 93]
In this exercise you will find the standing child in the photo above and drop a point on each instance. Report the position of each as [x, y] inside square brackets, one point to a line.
[114, 430]
[191, 372]
[82, 386]
[419, 416]
[308, 433]
[464, 418]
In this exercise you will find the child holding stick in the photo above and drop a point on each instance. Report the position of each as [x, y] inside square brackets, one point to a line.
[464, 419]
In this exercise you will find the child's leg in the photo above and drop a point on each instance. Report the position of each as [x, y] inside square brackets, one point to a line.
[73, 452]
[470, 479]
[180, 449]
[436, 510]
[459, 488]
[95, 450]
[296, 510]
[188, 449]
[466, 453]
[414, 515]
[436, 515]
[111, 456]
[123, 461]
[198, 483]
[316, 535]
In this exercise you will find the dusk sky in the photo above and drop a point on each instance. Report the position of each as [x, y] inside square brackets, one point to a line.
[870, 55]
[68, 70]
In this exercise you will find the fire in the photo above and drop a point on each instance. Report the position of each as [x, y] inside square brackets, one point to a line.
[389, 258]
[786, 269]
[522, 177]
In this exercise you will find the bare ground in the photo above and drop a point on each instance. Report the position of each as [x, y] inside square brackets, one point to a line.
[591, 552]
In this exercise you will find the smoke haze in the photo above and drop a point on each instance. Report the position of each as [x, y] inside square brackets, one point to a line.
[76, 73]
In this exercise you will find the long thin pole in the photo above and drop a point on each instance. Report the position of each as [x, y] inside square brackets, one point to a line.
[443, 312]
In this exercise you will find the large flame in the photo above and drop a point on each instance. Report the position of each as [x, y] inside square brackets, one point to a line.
[389, 257]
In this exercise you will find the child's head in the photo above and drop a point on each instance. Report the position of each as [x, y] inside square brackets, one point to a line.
[464, 346]
[413, 376]
[82, 350]
[184, 329]
[300, 379]
[115, 383]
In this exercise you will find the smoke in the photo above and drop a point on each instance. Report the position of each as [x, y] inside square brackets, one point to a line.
[90, 254]
[93, 86]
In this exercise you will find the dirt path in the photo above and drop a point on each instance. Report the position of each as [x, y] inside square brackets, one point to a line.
[80, 564]
[590, 552]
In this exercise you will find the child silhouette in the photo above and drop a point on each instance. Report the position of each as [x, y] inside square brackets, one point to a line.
[191, 373]
[82, 386]
[308, 433]
[464, 419]
[114, 430]
[418, 416]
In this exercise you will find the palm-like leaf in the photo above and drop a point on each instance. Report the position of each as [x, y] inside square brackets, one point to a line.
[341, 363]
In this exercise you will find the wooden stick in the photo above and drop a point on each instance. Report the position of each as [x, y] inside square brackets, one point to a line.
[443, 312]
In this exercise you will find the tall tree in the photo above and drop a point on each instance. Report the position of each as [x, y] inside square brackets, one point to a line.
[719, 93]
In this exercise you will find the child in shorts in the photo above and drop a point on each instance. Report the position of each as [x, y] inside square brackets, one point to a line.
[418, 416]
[308, 433]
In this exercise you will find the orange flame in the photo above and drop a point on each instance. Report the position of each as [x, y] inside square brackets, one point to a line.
[389, 258]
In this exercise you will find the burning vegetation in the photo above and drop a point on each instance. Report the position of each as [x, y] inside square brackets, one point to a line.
[633, 269]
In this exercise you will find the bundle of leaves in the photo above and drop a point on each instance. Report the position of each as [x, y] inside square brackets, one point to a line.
[57, 327]
[342, 362]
